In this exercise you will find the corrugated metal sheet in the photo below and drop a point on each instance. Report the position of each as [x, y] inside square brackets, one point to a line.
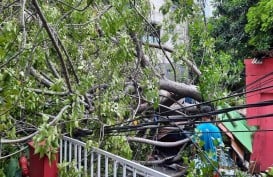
[244, 137]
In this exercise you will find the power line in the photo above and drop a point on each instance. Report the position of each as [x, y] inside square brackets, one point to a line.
[223, 98]
[190, 117]
[204, 103]
[175, 132]
[253, 82]
[187, 122]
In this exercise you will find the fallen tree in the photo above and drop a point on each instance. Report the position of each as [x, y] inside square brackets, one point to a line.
[86, 58]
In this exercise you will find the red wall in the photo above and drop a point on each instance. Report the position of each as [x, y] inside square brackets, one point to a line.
[259, 76]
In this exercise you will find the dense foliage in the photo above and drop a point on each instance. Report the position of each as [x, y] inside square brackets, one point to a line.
[260, 25]
[214, 59]
[75, 65]
[227, 27]
[70, 66]
[60, 55]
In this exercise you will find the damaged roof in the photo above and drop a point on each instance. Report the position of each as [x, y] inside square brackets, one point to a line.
[239, 128]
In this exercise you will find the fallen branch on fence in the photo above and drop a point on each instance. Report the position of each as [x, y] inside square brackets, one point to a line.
[23, 139]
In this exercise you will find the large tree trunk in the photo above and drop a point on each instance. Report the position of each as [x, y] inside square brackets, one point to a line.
[181, 89]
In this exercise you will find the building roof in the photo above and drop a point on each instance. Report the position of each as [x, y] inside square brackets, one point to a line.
[239, 129]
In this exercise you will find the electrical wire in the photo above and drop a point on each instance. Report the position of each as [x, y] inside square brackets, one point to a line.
[250, 90]
[257, 80]
[189, 122]
[197, 105]
[190, 117]
[203, 103]
[219, 99]
[252, 83]
[176, 132]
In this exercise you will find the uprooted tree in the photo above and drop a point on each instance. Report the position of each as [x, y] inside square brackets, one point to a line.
[78, 67]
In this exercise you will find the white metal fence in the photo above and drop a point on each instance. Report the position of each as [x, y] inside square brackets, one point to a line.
[97, 163]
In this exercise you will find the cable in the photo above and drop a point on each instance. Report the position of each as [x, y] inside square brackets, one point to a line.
[175, 132]
[223, 98]
[237, 94]
[203, 103]
[134, 128]
[253, 82]
[257, 80]
[200, 104]
[190, 117]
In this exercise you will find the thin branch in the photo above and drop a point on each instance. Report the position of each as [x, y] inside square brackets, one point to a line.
[39, 77]
[52, 68]
[68, 58]
[139, 102]
[11, 58]
[159, 42]
[23, 3]
[54, 42]
[23, 139]
[139, 52]
[158, 143]
[156, 162]
[75, 8]
[12, 154]
[142, 60]
[107, 8]
[168, 49]
[50, 64]
[22, 122]
[99, 87]
[90, 107]
[46, 76]
[9, 5]
[47, 92]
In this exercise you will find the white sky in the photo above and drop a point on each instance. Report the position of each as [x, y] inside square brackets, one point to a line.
[208, 8]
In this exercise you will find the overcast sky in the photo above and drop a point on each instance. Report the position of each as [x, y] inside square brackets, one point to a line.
[208, 8]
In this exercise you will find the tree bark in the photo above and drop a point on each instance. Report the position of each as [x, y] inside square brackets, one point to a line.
[39, 77]
[181, 89]
[158, 143]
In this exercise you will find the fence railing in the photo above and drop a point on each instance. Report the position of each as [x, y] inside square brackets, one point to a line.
[96, 162]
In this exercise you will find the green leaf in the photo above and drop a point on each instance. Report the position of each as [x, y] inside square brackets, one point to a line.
[89, 2]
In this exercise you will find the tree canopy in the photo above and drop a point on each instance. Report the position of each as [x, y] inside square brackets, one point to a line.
[77, 64]
[80, 67]
[227, 27]
[260, 24]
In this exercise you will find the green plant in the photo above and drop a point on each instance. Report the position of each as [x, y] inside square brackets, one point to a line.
[69, 169]
[47, 141]
[240, 173]
[260, 25]
[201, 164]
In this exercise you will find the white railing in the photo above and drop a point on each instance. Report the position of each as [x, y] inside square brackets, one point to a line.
[97, 162]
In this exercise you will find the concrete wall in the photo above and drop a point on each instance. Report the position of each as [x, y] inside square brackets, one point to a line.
[156, 17]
